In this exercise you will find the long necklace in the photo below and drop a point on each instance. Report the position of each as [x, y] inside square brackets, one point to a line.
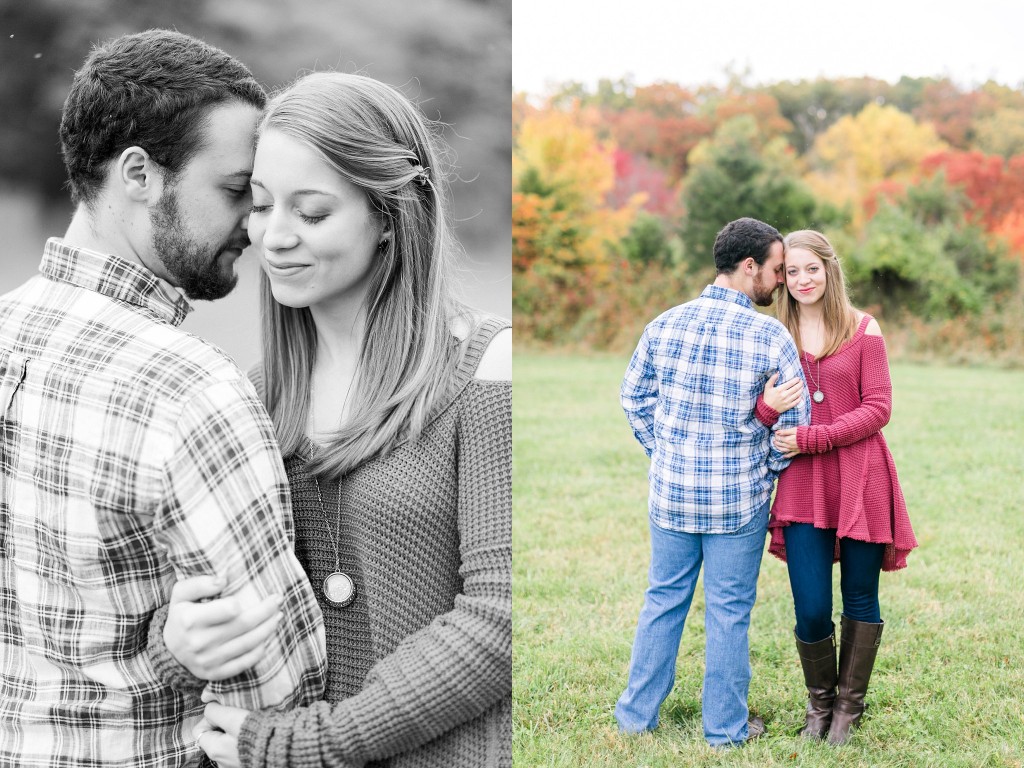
[818, 395]
[338, 587]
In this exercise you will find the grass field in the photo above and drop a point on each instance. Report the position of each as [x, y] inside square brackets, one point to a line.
[948, 688]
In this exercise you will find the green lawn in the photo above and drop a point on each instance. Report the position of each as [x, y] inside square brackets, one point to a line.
[948, 688]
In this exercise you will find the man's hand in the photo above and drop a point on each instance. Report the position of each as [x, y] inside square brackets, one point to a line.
[785, 442]
[222, 745]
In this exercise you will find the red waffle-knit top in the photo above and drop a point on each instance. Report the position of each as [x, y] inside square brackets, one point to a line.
[844, 476]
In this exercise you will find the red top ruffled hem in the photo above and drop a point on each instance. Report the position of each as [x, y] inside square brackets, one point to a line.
[845, 477]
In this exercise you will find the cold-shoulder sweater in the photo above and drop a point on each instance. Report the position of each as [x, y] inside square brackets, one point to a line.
[844, 476]
[420, 664]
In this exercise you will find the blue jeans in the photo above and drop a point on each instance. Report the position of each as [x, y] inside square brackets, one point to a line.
[809, 553]
[731, 563]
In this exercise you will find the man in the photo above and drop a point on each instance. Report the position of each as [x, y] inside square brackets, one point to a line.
[689, 394]
[132, 452]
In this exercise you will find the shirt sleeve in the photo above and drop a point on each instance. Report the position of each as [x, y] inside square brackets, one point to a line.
[869, 417]
[639, 394]
[226, 510]
[789, 367]
[454, 669]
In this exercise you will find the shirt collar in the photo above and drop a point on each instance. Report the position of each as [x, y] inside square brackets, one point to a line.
[115, 277]
[727, 294]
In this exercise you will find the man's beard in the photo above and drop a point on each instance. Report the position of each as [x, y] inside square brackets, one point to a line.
[194, 265]
[763, 297]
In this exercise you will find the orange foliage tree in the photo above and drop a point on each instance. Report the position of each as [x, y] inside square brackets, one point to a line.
[995, 188]
[564, 233]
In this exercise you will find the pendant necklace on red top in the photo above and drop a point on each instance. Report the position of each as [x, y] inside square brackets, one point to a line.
[818, 395]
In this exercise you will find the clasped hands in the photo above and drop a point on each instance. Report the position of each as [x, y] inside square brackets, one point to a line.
[216, 640]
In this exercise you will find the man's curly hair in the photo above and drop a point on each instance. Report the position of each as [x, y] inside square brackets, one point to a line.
[152, 90]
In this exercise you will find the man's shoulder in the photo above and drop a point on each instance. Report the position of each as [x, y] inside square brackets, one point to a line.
[680, 314]
[112, 340]
[770, 325]
[182, 363]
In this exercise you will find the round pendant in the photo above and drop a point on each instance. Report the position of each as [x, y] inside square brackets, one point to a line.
[339, 589]
[818, 396]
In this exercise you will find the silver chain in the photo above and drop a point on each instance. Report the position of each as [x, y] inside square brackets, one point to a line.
[323, 511]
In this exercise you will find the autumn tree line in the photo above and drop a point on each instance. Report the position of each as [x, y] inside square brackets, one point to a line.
[618, 192]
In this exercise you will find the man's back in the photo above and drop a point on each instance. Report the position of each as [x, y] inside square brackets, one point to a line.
[690, 393]
[132, 452]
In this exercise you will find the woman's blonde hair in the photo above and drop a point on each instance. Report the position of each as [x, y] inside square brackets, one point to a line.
[838, 314]
[377, 139]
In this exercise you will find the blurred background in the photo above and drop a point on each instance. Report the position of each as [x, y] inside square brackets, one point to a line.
[897, 132]
[452, 57]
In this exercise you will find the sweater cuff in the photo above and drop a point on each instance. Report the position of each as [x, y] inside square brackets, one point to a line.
[307, 737]
[168, 669]
[765, 413]
[812, 439]
[256, 731]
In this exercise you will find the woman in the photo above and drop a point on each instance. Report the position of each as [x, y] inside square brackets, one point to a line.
[392, 406]
[839, 500]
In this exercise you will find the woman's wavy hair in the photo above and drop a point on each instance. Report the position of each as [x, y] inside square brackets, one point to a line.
[377, 139]
[840, 318]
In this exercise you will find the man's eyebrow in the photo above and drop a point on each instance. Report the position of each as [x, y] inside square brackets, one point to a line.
[244, 175]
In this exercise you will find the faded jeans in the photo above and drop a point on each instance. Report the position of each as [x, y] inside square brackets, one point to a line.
[731, 563]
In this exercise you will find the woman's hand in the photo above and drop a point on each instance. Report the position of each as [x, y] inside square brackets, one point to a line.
[217, 639]
[222, 745]
[784, 397]
[785, 442]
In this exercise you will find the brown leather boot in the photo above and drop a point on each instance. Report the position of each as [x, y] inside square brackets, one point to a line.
[819, 664]
[857, 650]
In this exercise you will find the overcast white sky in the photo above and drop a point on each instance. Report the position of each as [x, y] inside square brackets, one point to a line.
[692, 43]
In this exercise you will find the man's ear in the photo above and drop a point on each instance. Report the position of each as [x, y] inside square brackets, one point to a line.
[139, 176]
[749, 265]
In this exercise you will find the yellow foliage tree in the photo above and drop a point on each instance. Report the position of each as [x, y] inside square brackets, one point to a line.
[858, 152]
[564, 232]
[1002, 133]
[561, 176]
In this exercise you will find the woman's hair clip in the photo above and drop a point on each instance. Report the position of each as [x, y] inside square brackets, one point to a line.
[421, 175]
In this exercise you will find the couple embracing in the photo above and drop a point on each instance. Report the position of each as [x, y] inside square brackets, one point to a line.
[725, 401]
[319, 552]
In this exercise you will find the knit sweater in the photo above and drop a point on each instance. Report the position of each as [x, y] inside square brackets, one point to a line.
[845, 477]
[420, 664]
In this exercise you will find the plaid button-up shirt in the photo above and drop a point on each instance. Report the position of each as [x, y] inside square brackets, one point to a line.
[689, 394]
[131, 452]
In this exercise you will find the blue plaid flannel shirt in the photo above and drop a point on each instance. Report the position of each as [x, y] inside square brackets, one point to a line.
[689, 394]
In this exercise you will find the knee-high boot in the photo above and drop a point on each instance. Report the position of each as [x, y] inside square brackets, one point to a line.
[857, 650]
[819, 665]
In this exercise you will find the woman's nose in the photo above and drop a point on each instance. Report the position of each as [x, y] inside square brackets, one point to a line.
[279, 235]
